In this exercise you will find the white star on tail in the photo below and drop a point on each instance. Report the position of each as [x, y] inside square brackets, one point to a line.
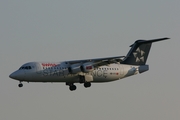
[139, 55]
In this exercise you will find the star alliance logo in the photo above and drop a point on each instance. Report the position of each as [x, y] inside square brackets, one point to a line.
[139, 55]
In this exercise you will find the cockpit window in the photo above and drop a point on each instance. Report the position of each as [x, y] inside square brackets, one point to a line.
[25, 67]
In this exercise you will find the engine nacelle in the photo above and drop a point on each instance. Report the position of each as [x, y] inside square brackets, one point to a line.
[87, 67]
[76, 68]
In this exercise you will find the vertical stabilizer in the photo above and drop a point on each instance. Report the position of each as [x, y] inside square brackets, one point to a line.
[139, 52]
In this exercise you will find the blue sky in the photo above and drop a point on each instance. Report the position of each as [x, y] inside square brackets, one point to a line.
[65, 30]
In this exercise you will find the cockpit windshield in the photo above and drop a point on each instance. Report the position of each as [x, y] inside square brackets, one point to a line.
[25, 67]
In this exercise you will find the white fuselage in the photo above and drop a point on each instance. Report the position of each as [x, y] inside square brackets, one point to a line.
[58, 72]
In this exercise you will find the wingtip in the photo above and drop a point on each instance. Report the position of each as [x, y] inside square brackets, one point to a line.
[166, 38]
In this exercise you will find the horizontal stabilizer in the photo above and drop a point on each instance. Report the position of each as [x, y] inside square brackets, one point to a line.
[149, 41]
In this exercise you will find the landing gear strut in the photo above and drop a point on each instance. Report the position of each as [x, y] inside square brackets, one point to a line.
[81, 79]
[20, 85]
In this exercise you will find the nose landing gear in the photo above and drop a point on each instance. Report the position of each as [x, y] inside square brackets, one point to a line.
[20, 85]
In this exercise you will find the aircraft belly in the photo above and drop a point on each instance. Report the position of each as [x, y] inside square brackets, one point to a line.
[104, 79]
[55, 79]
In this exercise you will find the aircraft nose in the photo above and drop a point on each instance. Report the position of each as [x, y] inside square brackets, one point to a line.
[12, 75]
[17, 75]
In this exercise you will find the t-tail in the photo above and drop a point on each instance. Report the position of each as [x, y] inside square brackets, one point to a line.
[139, 52]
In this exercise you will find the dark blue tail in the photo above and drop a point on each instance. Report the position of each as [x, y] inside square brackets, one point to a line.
[139, 52]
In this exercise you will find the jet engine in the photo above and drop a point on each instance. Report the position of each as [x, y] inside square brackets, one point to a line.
[75, 68]
[87, 67]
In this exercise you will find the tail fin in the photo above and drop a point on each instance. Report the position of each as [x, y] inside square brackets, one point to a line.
[139, 52]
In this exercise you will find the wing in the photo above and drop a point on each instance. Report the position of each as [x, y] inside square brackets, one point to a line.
[98, 61]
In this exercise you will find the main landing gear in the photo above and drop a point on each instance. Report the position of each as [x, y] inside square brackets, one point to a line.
[72, 87]
[87, 84]
[82, 80]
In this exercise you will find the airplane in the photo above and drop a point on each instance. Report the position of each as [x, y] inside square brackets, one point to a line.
[88, 71]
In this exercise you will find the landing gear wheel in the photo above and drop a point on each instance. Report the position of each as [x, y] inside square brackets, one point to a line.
[20, 85]
[72, 87]
[87, 84]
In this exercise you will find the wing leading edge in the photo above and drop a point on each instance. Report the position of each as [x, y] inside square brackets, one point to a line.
[97, 62]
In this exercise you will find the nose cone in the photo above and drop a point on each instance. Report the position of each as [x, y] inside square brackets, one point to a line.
[12, 75]
[17, 75]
